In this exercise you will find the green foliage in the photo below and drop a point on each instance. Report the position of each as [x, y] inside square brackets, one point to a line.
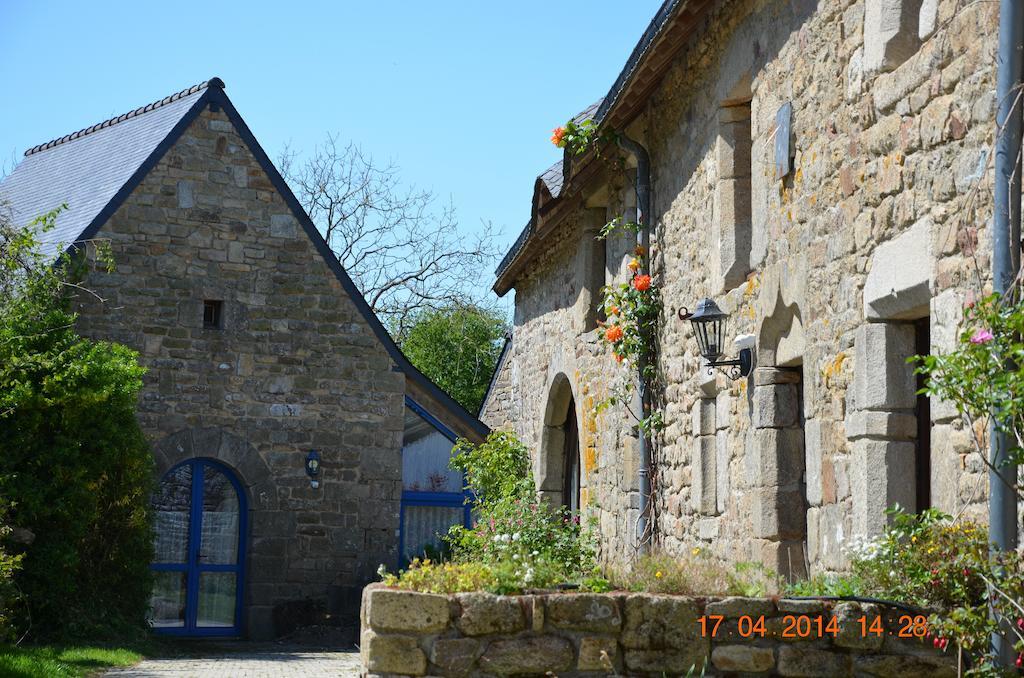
[501, 578]
[517, 542]
[940, 564]
[497, 469]
[9, 564]
[828, 584]
[579, 137]
[976, 377]
[458, 348]
[73, 461]
[63, 662]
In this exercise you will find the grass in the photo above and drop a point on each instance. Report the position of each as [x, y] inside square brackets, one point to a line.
[50, 661]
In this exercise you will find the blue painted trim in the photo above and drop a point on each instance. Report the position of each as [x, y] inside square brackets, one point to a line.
[193, 568]
[414, 498]
[431, 419]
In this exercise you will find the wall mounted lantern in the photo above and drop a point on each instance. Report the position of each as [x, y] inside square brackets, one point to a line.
[709, 325]
[313, 468]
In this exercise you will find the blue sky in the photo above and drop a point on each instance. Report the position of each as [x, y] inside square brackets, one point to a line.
[462, 95]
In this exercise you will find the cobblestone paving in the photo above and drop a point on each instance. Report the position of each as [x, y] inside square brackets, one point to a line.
[257, 663]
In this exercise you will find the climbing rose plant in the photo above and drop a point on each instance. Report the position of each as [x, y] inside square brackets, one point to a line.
[632, 309]
[578, 137]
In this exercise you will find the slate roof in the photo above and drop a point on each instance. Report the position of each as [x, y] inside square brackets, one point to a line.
[553, 179]
[95, 169]
[86, 169]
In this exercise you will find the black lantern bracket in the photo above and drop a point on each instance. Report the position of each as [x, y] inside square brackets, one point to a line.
[709, 324]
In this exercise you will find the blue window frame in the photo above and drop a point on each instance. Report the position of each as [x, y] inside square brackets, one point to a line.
[456, 502]
[178, 601]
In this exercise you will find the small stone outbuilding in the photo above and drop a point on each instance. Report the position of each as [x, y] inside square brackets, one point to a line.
[823, 171]
[263, 361]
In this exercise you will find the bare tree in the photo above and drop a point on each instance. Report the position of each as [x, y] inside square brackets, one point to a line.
[404, 252]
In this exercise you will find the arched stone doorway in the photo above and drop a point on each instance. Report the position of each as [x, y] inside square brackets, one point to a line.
[559, 477]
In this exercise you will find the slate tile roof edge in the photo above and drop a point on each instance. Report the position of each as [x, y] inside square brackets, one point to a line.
[212, 82]
[600, 111]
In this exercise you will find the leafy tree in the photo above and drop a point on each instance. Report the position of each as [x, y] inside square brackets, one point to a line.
[74, 464]
[457, 347]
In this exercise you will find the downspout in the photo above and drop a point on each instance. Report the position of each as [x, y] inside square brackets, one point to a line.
[643, 201]
[1002, 503]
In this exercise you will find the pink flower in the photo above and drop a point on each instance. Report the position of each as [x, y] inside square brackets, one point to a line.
[981, 336]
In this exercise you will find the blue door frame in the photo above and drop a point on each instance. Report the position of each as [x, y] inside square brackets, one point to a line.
[193, 568]
[439, 499]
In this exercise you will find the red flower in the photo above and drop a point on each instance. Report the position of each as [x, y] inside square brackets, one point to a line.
[613, 333]
[557, 135]
[642, 283]
[618, 357]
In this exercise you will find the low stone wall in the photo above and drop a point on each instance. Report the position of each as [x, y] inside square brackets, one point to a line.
[584, 634]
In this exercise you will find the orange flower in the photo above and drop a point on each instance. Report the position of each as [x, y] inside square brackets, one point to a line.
[613, 333]
[557, 135]
[642, 283]
[633, 265]
[618, 357]
[640, 251]
[613, 310]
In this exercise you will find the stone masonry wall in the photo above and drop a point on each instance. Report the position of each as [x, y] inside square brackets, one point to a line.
[553, 354]
[879, 224]
[294, 368]
[478, 634]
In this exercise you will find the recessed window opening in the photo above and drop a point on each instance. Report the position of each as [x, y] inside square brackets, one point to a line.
[213, 314]
[922, 410]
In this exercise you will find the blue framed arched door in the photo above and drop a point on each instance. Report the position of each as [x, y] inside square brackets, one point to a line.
[199, 543]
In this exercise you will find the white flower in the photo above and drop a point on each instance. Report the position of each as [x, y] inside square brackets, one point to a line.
[535, 553]
[515, 556]
[528, 577]
[382, 570]
[515, 537]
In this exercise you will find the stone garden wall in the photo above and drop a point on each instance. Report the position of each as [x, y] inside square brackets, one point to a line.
[478, 634]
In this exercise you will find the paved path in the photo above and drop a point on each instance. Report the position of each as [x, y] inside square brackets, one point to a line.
[257, 663]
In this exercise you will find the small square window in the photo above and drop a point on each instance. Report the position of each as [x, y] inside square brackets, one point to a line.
[213, 314]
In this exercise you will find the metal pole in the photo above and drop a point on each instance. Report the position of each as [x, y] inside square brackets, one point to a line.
[1006, 262]
[643, 201]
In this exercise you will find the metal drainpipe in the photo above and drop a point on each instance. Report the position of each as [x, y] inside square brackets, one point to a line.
[643, 201]
[1002, 503]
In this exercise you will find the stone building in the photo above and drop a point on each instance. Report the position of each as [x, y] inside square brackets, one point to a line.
[264, 362]
[822, 170]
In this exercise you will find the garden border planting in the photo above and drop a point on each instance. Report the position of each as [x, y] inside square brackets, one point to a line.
[406, 633]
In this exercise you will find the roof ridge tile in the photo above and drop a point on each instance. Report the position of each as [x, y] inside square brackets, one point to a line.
[212, 82]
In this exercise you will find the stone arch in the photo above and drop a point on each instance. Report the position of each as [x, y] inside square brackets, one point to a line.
[229, 449]
[560, 421]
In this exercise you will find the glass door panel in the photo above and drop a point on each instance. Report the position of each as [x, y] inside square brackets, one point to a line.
[216, 600]
[172, 508]
[168, 600]
[219, 543]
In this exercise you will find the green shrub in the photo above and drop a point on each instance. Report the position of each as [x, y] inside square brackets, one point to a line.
[9, 564]
[941, 564]
[73, 461]
[513, 527]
